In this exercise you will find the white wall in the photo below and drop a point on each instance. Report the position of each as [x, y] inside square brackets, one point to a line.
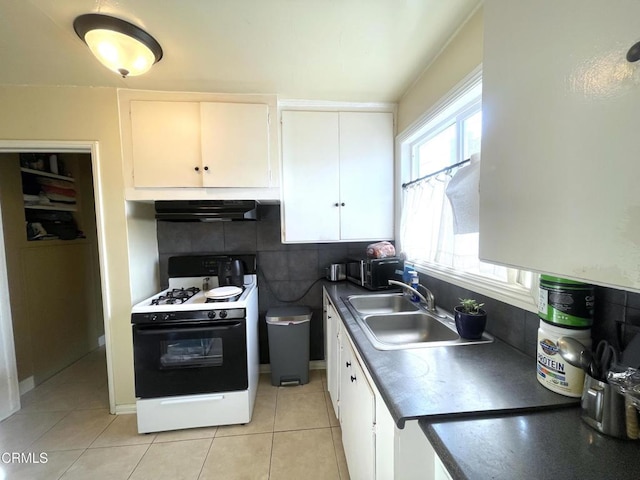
[462, 54]
[143, 250]
[91, 114]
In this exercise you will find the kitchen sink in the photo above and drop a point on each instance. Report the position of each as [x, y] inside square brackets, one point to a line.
[392, 322]
[409, 328]
[382, 303]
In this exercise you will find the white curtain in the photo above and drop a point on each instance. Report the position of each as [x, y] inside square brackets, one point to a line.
[426, 227]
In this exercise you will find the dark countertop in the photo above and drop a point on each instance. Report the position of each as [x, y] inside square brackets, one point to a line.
[488, 395]
[550, 444]
[448, 382]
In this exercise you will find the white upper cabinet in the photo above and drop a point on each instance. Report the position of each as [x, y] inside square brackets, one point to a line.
[200, 144]
[337, 176]
[560, 153]
[235, 144]
[366, 175]
[310, 176]
[166, 144]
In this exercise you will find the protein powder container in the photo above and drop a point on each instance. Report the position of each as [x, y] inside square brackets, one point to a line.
[566, 303]
[553, 371]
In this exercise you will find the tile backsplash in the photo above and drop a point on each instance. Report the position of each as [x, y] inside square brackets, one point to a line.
[288, 274]
[616, 317]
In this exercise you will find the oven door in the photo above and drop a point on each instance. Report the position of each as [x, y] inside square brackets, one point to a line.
[186, 358]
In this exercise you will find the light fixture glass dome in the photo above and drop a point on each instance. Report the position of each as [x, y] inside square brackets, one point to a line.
[122, 54]
[118, 45]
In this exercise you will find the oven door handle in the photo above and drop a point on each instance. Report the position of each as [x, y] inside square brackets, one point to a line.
[156, 330]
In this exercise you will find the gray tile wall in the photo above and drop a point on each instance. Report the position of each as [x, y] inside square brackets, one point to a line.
[288, 273]
[616, 318]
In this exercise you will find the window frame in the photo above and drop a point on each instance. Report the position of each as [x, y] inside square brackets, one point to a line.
[513, 292]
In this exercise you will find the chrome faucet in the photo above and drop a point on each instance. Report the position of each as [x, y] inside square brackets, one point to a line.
[429, 300]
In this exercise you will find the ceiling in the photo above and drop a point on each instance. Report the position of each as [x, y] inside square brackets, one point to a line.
[342, 50]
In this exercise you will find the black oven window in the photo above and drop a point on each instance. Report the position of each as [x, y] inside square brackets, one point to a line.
[191, 353]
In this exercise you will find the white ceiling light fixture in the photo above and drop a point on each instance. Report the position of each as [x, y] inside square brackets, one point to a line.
[119, 45]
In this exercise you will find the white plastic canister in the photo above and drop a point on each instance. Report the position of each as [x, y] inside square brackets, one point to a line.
[553, 371]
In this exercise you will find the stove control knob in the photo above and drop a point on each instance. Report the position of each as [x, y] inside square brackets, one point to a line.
[166, 316]
[154, 317]
[211, 314]
[223, 314]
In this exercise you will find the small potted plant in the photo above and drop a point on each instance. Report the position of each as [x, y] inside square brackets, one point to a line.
[470, 319]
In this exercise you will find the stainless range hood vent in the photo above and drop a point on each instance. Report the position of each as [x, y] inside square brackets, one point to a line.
[206, 210]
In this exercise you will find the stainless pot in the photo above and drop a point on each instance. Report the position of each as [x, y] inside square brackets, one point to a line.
[603, 408]
[336, 272]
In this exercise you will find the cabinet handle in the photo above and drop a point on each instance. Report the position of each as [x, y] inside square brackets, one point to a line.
[342, 204]
[348, 364]
[197, 169]
[336, 204]
[206, 168]
[353, 379]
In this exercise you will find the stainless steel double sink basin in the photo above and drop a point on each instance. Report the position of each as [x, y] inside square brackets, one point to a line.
[392, 322]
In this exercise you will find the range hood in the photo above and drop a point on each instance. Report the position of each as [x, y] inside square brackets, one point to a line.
[205, 210]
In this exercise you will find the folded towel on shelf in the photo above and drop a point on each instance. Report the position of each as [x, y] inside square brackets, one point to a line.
[67, 192]
[463, 192]
[55, 198]
[55, 183]
[31, 199]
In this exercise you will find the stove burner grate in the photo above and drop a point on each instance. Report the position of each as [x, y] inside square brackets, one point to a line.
[175, 296]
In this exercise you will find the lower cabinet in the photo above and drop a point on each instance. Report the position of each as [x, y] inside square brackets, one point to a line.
[415, 458]
[357, 415]
[332, 353]
[375, 448]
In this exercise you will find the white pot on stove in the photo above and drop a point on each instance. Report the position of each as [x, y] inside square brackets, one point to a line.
[221, 293]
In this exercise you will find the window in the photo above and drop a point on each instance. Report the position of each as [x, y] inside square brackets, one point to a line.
[439, 239]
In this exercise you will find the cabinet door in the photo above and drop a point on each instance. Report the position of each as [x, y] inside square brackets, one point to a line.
[310, 177]
[416, 458]
[166, 144]
[366, 175]
[385, 440]
[235, 145]
[333, 360]
[558, 187]
[357, 408]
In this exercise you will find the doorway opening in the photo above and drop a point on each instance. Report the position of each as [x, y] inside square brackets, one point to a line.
[51, 253]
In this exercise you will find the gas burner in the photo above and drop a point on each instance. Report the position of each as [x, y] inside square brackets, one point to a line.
[175, 296]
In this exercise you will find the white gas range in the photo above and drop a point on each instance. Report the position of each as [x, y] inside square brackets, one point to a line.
[196, 357]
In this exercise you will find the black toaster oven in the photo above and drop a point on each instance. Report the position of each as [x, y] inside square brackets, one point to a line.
[375, 273]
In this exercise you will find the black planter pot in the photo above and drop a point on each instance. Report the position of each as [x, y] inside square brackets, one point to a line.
[469, 325]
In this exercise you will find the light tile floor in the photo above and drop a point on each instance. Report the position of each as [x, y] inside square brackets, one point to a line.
[293, 434]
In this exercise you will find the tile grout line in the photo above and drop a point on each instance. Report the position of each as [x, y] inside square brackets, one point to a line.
[329, 406]
[102, 431]
[72, 463]
[47, 431]
[204, 462]
[271, 455]
[335, 452]
[139, 461]
[273, 432]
